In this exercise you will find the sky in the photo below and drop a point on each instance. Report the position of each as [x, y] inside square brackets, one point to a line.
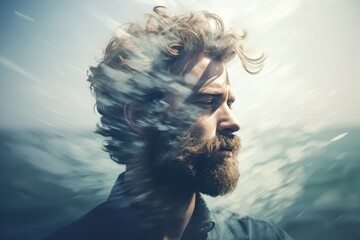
[310, 78]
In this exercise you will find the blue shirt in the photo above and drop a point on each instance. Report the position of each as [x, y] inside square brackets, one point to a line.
[115, 219]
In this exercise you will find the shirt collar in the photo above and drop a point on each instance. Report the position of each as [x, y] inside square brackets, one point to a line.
[201, 221]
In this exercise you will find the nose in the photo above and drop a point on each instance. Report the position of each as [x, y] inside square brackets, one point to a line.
[227, 123]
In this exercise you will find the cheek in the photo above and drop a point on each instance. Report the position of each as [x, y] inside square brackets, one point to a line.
[207, 127]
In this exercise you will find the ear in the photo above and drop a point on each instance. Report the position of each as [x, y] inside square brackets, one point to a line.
[133, 114]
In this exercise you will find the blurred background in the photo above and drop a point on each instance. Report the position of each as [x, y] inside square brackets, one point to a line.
[300, 124]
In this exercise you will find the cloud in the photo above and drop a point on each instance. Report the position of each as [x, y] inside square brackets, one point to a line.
[16, 68]
[23, 16]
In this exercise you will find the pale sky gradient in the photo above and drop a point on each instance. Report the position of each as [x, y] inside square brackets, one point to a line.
[311, 76]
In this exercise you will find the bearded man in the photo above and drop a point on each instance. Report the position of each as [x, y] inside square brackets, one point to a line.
[165, 101]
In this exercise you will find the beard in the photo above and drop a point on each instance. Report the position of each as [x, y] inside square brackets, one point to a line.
[197, 165]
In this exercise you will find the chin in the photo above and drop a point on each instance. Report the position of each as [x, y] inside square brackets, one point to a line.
[220, 180]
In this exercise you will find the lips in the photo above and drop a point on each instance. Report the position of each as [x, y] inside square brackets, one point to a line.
[225, 153]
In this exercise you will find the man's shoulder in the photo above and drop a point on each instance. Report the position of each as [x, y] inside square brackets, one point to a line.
[229, 225]
[106, 221]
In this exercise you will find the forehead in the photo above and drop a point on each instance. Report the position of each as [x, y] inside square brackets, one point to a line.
[207, 73]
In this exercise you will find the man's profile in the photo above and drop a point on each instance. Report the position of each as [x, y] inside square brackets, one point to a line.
[165, 101]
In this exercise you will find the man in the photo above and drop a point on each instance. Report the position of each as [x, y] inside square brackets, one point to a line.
[165, 99]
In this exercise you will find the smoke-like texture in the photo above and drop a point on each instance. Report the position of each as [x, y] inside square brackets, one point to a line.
[304, 181]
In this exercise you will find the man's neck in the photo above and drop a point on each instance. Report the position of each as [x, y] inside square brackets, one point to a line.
[167, 209]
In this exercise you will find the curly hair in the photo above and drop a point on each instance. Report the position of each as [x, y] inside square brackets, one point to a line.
[143, 59]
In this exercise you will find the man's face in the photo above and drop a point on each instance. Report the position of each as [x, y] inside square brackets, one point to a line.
[202, 157]
[214, 96]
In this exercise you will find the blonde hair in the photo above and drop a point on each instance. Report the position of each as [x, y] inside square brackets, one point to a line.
[143, 56]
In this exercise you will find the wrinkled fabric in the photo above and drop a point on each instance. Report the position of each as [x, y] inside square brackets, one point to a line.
[114, 219]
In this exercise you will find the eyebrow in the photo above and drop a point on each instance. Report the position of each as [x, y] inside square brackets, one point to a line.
[214, 93]
[214, 87]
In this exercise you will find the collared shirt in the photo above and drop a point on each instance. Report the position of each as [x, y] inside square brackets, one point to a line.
[115, 219]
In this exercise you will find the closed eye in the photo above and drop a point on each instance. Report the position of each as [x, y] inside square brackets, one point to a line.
[207, 100]
[212, 102]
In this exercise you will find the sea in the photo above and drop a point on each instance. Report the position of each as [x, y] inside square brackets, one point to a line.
[305, 181]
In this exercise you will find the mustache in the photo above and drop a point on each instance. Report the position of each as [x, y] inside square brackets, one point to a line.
[192, 145]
